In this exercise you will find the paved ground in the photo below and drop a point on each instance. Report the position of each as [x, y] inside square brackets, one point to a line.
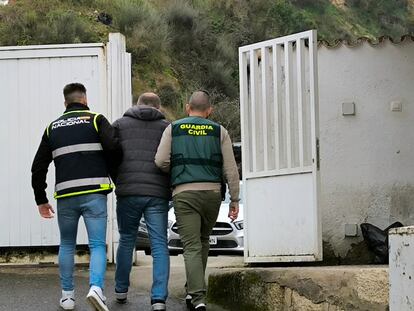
[37, 288]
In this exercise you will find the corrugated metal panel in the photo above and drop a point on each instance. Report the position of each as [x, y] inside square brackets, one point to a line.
[32, 97]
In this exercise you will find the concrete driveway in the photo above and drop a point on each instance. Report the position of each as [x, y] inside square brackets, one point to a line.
[36, 288]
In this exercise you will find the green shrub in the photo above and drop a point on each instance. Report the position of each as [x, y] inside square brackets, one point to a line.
[146, 34]
[186, 28]
[178, 46]
[227, 113]
[286, 19]
[127, 13]
[45, 23]
[66, 26]
[170, 97]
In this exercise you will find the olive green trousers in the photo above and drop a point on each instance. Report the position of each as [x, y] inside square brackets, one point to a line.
[196, 213]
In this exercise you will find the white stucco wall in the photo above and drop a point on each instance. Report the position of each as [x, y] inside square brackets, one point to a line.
[367, 160]
[401, 270]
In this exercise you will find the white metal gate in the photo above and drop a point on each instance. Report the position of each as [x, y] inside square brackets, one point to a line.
[31, 83]
[279, 117]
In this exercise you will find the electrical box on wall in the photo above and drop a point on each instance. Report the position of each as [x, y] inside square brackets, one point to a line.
[396, 106]
[348, 109]
[351, 230]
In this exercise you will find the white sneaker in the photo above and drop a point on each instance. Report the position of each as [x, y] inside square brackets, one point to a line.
[158, 306]
[97, 299]
[201, 307]
[67, 302]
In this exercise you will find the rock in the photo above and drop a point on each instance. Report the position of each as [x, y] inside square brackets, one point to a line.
[339, 3]
[105, 18]
[301, 288]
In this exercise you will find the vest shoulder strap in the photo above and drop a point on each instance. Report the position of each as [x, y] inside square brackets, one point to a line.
[48, 129]
[95, 123]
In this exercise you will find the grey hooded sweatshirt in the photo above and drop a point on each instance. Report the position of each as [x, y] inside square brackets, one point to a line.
[140, 131]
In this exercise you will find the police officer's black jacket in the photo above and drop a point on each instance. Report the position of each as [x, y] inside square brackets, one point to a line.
[106, 137]
[140, 131]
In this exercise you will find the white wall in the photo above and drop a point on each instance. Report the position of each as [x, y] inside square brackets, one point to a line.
[401, 269]
[31, 83]
[367, 160]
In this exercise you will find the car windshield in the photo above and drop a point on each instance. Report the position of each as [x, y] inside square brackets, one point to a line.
[227, 199]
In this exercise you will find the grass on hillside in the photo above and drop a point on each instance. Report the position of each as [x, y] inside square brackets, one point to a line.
[181, 45]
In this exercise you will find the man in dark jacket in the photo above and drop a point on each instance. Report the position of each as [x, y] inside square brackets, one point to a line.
[142, 189]
[79, 142]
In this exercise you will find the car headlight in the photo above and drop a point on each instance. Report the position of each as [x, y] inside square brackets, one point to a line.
[239, 224]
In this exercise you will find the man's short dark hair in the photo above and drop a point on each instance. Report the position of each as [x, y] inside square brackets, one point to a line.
[73, 92]
[199, 101]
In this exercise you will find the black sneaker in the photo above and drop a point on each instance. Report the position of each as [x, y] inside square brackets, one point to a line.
[188, 302]
[121, 298]
[158, 305]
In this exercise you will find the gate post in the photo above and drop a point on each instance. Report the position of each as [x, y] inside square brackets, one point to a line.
[401, 271]
[119, 100]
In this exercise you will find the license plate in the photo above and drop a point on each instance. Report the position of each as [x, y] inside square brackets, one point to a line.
[213, 240]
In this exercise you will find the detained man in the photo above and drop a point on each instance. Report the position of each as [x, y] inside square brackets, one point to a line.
[142, 190]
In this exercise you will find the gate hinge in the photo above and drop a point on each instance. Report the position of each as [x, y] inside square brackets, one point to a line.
[317, 155]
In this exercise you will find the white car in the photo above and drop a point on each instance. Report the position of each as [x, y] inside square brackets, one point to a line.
[227, 236]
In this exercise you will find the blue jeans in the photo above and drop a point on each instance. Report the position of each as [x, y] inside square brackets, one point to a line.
[92, 208]
[129, 212]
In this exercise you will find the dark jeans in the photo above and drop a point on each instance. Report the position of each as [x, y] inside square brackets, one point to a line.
[129, 212]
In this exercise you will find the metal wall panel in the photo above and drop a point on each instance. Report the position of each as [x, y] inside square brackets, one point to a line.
[31, 86]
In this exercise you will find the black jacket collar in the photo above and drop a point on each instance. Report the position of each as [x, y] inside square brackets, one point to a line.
[76, 106]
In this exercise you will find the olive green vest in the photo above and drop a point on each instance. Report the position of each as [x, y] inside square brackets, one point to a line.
[196, 151]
